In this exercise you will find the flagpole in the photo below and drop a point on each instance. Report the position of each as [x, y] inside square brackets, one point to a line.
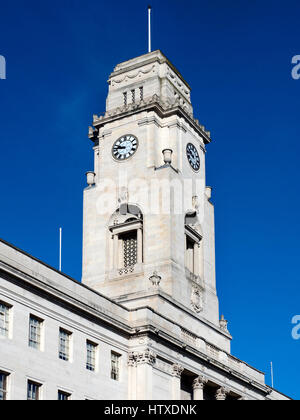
[149, 29]
[60, 246]
[272, 375]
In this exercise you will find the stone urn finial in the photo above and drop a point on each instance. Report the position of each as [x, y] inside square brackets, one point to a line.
[90, 177]
[167, 153]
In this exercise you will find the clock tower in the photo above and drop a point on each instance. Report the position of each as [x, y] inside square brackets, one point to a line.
[148, 229]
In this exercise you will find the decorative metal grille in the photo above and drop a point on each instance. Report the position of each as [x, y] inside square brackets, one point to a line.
[133, 96]
[141, 93]
[130, 250]
[125, 98]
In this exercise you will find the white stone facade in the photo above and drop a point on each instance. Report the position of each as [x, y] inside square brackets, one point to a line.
[147, 302]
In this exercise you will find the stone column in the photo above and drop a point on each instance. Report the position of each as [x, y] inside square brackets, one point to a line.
[221, 394]
[198, 386]
[145, 361]
[176, 382]
[139, 246]
[116, 251]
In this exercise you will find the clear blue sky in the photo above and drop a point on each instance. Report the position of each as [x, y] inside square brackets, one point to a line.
[236, 54]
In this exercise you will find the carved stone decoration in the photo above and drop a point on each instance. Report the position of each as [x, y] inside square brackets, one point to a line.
[177, 370]
[221, 393]
[197, 299]
[146, 357]
[139, 358]
[123, 196]
[155, 279]
[223, 324]
[133, 76]
[131, 359]
[199, 382]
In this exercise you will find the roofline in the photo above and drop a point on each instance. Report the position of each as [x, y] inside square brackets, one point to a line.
[60, 273]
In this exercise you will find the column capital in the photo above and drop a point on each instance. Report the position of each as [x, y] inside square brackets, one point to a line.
[145, 357]
[131, 359]
[140, 358]
[177, 370]
[199, 382]
[222, 393]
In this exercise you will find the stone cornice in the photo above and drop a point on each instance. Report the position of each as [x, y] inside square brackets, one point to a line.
[125, 227]
[61, 296]
[193, 234]
[163, 110]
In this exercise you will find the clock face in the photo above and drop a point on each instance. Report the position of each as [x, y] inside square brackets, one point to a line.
[125, 147]
[193, 157]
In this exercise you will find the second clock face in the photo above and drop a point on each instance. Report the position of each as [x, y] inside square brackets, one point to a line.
[193, 157]
[125, 147]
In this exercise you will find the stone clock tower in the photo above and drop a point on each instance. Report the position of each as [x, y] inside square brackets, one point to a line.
[148, 233]
[145, 324]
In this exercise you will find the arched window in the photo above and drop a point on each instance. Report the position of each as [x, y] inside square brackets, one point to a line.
[127, 239]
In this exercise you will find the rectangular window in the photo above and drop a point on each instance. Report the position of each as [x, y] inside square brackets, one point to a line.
[3, 386]
[33, 391]
[35, 328]
[190, 254]
[64, 344]
[4, 319]
[91, 350]
[63, 396]
[115, 366]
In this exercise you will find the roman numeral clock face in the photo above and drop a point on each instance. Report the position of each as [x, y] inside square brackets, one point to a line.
[193, 157]
[125, 147]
